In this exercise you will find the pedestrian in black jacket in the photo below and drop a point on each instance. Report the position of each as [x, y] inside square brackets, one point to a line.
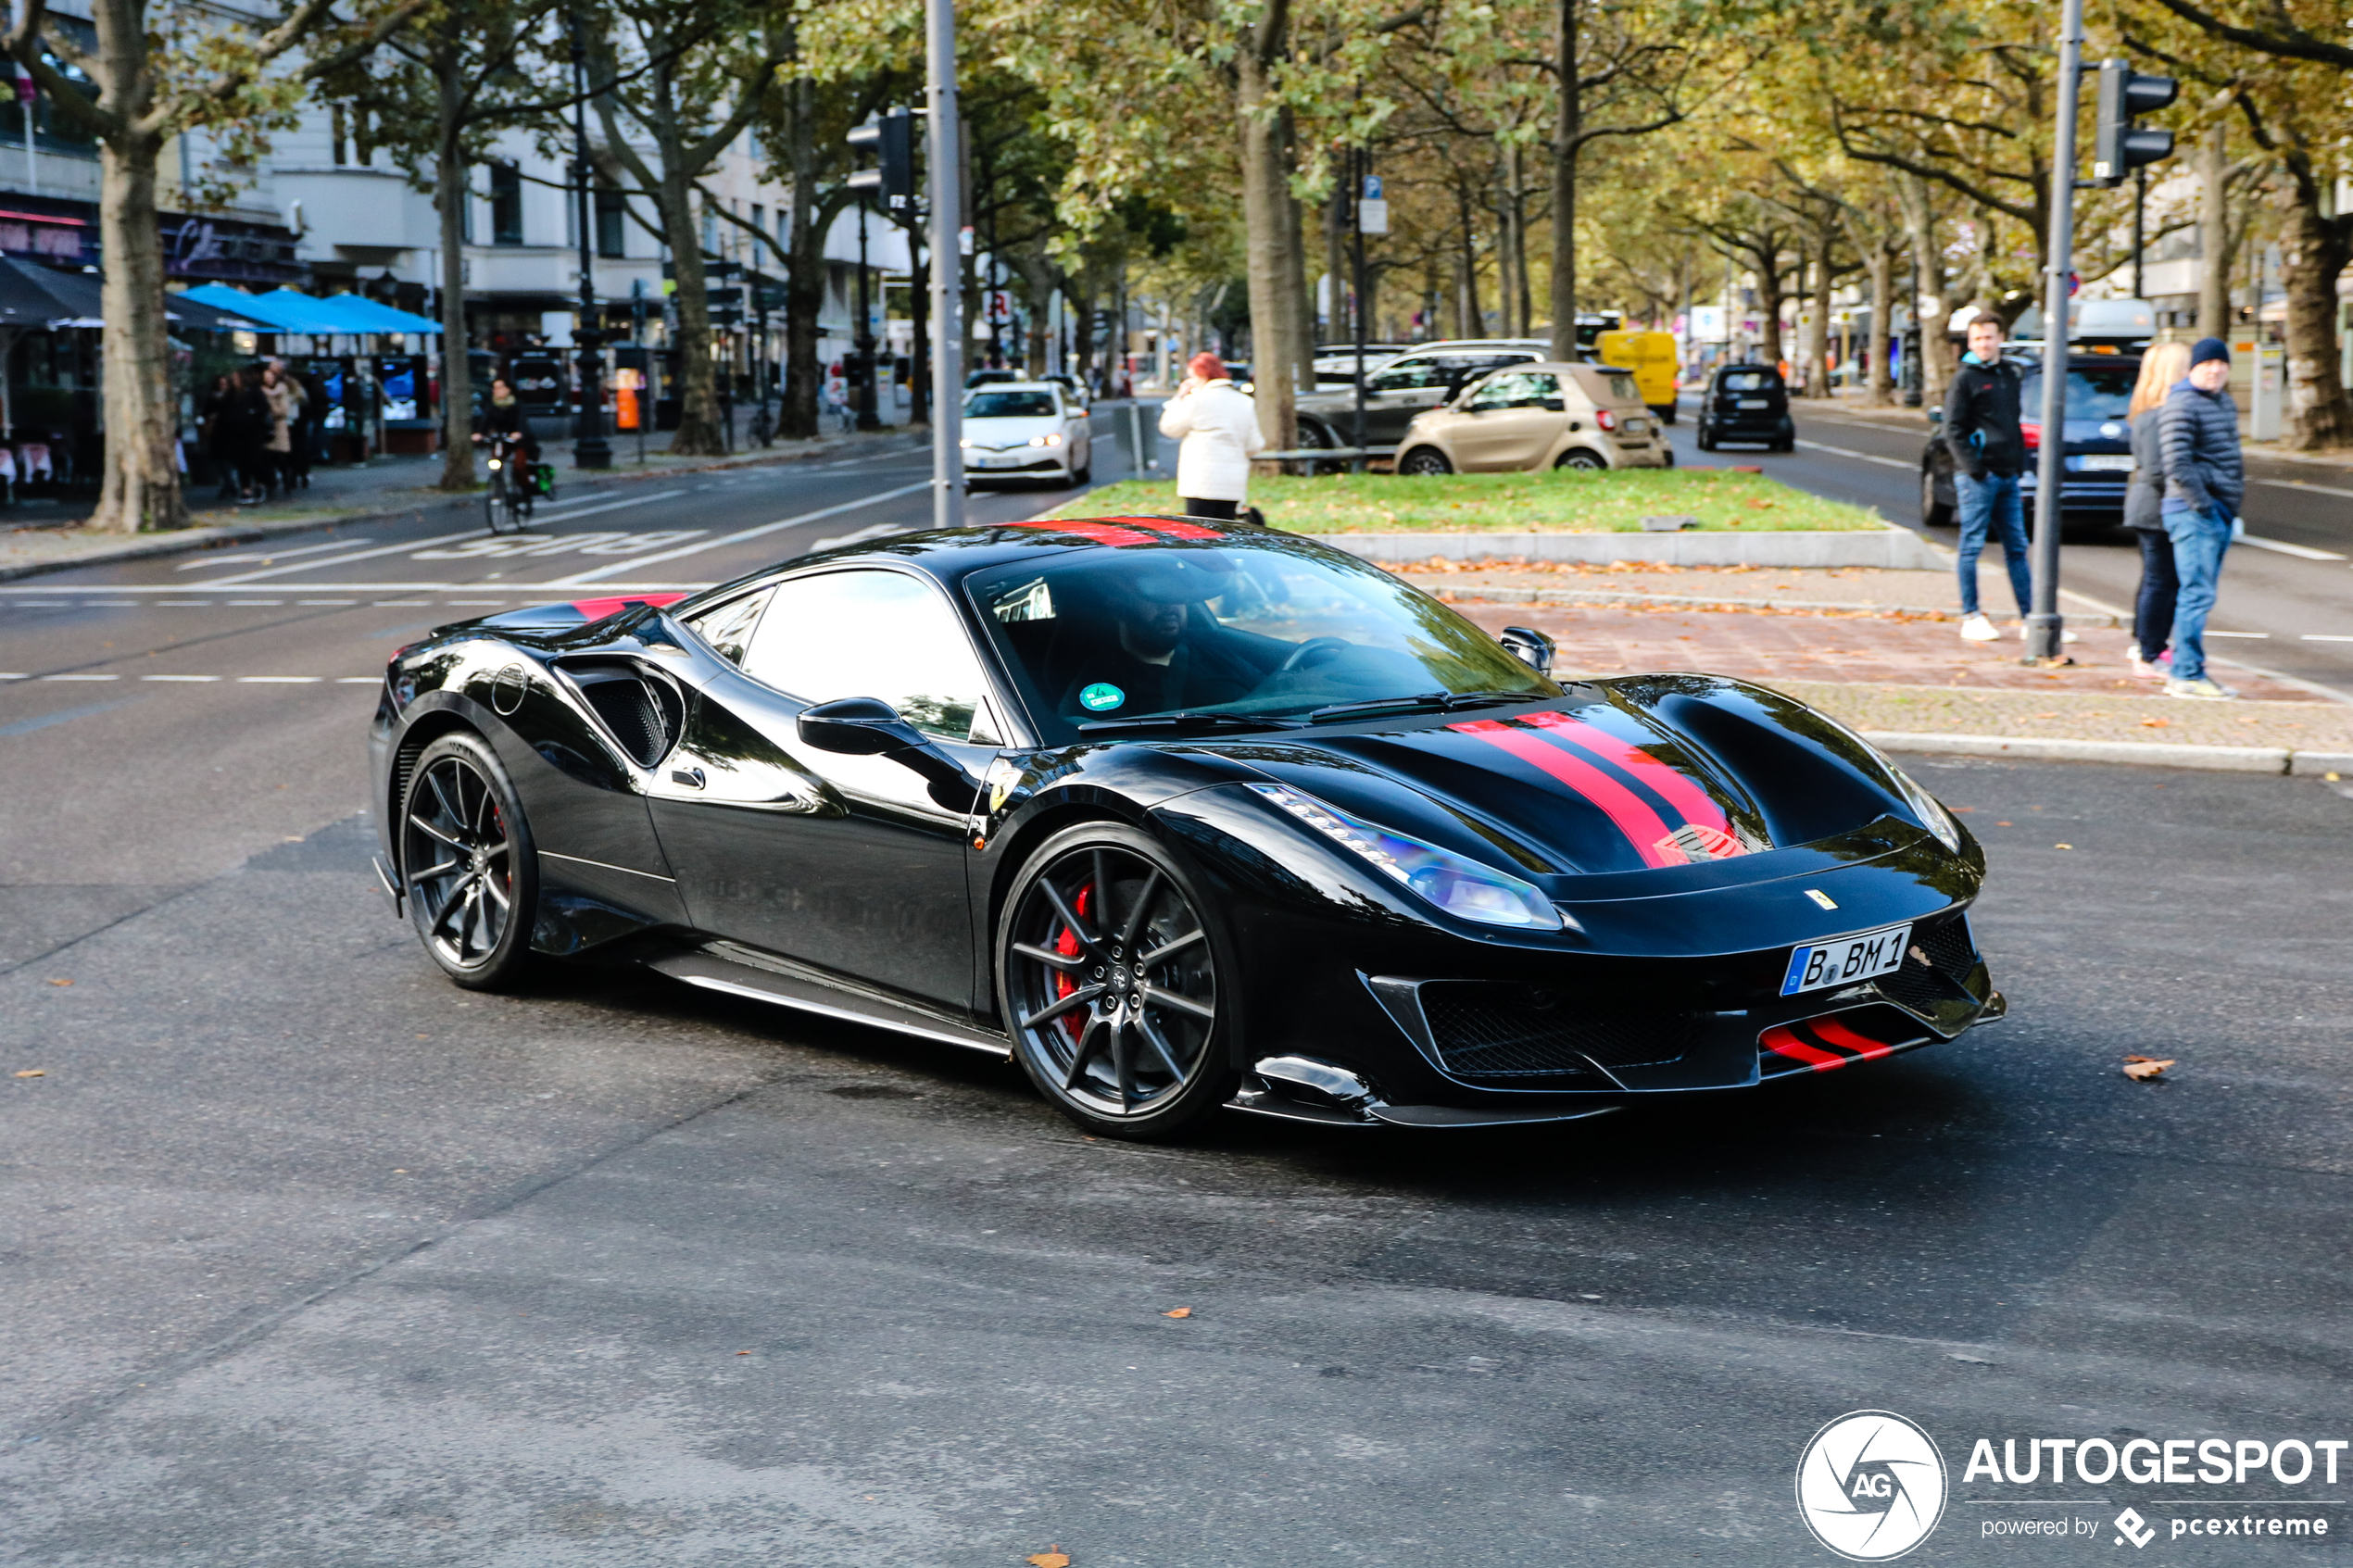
[1988, 445]
[2205, 482]
[2144, 499]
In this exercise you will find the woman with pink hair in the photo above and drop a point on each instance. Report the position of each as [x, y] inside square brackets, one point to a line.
[1216, 426]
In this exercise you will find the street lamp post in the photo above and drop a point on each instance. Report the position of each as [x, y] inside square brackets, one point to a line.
[947, 306]
[2044, 624]
[863, 345]
[589, 449]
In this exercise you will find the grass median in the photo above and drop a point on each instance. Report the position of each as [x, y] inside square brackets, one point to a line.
[1554, 501]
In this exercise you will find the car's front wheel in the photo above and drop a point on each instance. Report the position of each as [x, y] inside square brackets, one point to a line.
[467, 861]
[1117, 985]
[1425, 461]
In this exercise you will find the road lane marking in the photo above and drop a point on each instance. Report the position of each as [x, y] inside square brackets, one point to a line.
[26, 726]
[2301, 552]
[280, 680]
[2325, 637]
[275, 556]
[256, 601]
[879, 531]
[358, 680]
[189, 677]
[82, 677]
[591, 511]
[326, 601]
[638, 562]
[340, 560]
[2309, 489]
[2212, 633]
[1864, 457]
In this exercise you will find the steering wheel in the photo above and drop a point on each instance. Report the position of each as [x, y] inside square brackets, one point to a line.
[1298, 660]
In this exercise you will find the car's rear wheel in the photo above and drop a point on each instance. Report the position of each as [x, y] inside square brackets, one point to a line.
[1704, 437]
[1580, 458]
[1424, 460]
[1934, 513]
[1109, 969]
[467, 861]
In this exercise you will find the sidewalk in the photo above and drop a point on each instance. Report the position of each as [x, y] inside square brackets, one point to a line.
[32, 543]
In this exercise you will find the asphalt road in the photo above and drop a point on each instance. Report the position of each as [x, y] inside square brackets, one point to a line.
[2286, 601]
[310, 1257]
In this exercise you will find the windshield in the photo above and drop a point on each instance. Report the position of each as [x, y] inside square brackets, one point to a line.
[2102, 392]
[1009, 405]
[1273, 628]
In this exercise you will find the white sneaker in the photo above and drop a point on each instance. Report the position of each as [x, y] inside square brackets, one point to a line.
[2202, 688]
[1977, 629]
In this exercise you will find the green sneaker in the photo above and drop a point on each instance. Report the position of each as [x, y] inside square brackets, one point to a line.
[2201, 688]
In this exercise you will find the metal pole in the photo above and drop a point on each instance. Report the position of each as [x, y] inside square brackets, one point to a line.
[863, 345]
[2139, 227]
[944, 133]
[1358, 164]
[589, 449]
[2044, 624]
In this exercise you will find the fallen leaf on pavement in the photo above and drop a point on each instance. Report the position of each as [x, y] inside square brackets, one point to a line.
[2155, 724]
[2146, 1069]
[61, 983]
[35, 1073]
[1053, 1556]
[2062, 846]
[1996, 824]
[1179, 1313]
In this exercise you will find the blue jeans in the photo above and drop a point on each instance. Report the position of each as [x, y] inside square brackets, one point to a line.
[2200, 540]
[1989, 503]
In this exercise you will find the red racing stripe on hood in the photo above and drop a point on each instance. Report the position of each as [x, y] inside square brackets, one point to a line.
[1635, 819]
[1669, 783]
[596, 609]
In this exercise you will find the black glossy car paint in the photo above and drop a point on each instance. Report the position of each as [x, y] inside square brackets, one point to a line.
[1691, 828]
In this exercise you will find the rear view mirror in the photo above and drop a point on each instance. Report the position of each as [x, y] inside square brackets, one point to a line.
[1529, 645]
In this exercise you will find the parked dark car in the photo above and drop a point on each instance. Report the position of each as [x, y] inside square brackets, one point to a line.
[1408, 386]
[1746, 403]
[2099, 445]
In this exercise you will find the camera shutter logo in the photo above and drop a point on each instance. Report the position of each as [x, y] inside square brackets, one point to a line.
[1870, 1486]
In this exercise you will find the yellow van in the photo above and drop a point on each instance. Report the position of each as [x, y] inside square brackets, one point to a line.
[1651, 356]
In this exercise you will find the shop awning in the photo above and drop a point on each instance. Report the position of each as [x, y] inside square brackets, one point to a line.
[369, 315]
[280, 310]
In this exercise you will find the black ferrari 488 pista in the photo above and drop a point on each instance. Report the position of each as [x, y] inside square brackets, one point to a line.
[1181, 817]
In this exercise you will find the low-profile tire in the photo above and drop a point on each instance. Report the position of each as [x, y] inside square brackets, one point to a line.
[1084, 472]
[468, 863]
[1118, 984]
[1583, 458]
[1424, 461]
[1934, 512]
[1703, 438]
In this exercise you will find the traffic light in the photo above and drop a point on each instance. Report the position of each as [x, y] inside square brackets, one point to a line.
[2117, 148]
[892, 140]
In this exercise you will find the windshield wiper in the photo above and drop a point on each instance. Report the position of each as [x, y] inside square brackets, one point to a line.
[1179, 720]
[1429, 702]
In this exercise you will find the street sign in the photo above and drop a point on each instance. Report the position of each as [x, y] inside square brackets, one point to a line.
[1001, 307]
[1372, 211]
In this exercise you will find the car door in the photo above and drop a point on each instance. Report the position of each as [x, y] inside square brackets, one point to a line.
[1397, 393]
[843, 862]
[1512, 419]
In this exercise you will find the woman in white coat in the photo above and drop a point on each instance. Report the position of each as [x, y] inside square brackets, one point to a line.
[1218, 425]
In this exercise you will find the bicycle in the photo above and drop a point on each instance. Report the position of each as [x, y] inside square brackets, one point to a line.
[511, 494]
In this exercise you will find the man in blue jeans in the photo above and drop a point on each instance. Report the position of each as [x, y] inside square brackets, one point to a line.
[2204, 483]
[1988, 445]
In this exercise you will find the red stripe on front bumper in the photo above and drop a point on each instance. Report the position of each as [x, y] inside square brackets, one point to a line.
[1831, 1032]
[1781, 1042]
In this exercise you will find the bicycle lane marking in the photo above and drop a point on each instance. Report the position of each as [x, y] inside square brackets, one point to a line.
[420, 544]
[635, 563]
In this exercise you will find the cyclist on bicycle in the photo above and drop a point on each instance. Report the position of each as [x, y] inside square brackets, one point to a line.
[503, 420]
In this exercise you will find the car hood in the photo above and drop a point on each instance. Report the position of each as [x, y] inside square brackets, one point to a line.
[1005, 432]
[1692, 779]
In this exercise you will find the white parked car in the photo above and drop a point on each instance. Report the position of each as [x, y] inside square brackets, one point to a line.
[1027, 430]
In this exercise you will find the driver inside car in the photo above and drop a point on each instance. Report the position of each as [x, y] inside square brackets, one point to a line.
[1157, 649]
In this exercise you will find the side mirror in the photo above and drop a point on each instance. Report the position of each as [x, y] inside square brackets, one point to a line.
[867, 726]
[1529, 645]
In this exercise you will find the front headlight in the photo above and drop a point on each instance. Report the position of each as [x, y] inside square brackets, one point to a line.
[1931, 812]
[1047, 440]
[1455, 884]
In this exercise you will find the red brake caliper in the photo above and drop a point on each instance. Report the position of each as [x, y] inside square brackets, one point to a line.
[1066, 943]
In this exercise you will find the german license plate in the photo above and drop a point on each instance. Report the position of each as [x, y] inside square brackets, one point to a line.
[1636, 427]
[2111, 462]
[1847, 959]
[1754, 403]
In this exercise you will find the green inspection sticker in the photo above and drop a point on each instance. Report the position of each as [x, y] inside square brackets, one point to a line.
[1101, 695]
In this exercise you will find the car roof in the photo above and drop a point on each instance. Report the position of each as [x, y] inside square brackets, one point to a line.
[1019, 386]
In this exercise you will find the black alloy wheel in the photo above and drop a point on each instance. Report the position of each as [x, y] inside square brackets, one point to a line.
[467, 861]
[1425, 461]
[1108, 971]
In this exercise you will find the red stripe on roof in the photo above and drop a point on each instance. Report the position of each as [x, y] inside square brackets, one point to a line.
[596, 609]
[1781, 1042]
[1100, 532]
[1671, 784]
[1172, 528]
[1634, 815]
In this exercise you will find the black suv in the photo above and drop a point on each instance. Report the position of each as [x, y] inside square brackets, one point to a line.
[2097, 462]
[1408, 386]
[1745, 403]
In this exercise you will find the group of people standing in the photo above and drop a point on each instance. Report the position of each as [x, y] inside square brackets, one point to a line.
[2188, 481]
[256, 427]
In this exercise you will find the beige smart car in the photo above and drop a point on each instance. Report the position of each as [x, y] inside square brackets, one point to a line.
[1539, 416]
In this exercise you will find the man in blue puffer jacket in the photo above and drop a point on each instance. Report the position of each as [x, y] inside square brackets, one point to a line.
[2204, 483]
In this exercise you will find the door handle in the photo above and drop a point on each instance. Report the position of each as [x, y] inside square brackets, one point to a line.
[691, 777]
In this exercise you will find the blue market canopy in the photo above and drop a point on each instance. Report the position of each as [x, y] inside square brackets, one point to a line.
[368, 316]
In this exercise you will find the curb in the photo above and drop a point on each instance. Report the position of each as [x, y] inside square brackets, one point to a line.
[1888, 546]
[182, 540]
[2221, 759]
[1479, 595]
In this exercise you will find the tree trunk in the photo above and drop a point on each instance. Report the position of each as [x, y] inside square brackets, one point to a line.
[1878, 389]
[1336, 263]
[1770, 298]
[1936, 350]
[1818, 351]
[2214, 234]
[2314, 249]
[1300, 320]
[1567, 131]
[698, 434]
[1469, 319]
[141, 491]
[456, 368]
[1515, 205]
[804, 275]
[1265, 197]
